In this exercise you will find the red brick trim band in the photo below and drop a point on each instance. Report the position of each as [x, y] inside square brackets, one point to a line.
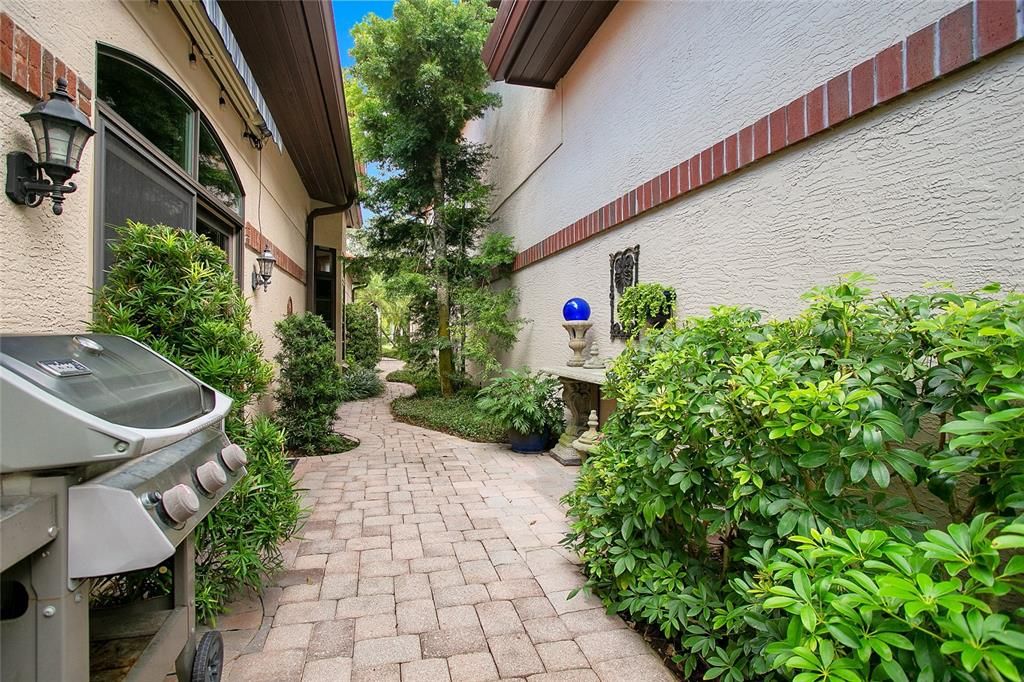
[958, 39]
[34, 69]
[256, 242]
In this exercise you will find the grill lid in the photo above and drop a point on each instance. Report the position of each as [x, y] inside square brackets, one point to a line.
[110, 377]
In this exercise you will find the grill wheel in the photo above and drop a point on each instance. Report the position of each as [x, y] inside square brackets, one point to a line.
[209, 661]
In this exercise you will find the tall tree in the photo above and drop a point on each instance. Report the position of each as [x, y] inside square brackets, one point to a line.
[419, 79]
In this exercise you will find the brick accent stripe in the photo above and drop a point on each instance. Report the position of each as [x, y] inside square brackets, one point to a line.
[961, 38]
[25, 63]
[255, 242]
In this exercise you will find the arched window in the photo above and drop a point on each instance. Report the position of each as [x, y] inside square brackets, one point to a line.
[159, 159]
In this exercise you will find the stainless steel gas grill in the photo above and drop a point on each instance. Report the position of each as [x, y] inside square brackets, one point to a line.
[110, 456]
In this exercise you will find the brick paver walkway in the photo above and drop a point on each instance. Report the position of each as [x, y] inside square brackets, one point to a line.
[427, 557]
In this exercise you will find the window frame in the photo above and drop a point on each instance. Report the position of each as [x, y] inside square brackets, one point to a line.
[109, 122]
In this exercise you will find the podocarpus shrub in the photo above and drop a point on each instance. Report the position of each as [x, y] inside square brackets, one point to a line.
[731, 434]
[309, 386]
[363, 335]
[174, 291]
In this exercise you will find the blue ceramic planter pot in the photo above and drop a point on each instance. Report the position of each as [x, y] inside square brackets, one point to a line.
[530, 443]
[576, 310]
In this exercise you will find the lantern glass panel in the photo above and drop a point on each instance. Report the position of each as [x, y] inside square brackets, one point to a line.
[266, 264]
[77, 147]
[59, 134]
[39, 134]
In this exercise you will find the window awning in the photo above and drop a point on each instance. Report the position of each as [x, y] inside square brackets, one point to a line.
[292, 52]
[534, 42]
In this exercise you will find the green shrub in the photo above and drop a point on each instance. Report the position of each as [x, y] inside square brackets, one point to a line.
[643, 303]
[457, 415]
[872, 606]
[309, 387]
[174, 291]
[358, 383]
[238, 545]
[732, 433]
[363, 335]
[524, 403]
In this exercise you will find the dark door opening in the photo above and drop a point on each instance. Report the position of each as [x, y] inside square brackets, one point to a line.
[325, 286]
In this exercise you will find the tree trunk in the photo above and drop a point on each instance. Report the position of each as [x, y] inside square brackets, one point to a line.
[445, 368]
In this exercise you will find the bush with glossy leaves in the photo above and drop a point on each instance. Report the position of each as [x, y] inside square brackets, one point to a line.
[733, 433]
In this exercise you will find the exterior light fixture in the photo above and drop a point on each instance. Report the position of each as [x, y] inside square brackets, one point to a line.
[263, 269]
[193, 60]
[60, 131]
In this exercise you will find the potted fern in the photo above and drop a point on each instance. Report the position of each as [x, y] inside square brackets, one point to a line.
[527, 406]
[645, 305]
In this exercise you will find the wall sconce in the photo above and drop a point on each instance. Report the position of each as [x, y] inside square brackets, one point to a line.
[263, 269]
[60, 131]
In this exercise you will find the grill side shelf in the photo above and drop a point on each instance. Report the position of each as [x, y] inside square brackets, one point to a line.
[27, 522]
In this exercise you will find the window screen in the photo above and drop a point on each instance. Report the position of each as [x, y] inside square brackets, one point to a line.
[135, 189]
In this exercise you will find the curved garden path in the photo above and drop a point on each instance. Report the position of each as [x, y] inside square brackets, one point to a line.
[428, 557]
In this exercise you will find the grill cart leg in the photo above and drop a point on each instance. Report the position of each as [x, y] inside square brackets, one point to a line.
[61, 634]
[185, 597]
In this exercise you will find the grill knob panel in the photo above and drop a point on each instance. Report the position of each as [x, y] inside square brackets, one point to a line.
[234, 457]
[180, 503]
[211, 477]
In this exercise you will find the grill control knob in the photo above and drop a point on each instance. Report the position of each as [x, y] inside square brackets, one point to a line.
[180, 502]
[234, 457]
[211, 477]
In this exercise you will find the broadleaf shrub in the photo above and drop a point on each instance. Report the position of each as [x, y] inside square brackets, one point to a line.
[523, 402]
[309, 387]
[175, 292]
[733, 433]
[363, 335]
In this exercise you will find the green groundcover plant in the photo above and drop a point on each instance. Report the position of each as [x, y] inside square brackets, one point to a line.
[309, 386]
[175, 292]
[458, 414]
[834, 496]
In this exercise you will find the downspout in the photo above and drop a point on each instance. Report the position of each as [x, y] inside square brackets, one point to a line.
[311, 251]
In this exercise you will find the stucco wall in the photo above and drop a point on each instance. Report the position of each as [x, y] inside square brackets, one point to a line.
[46, 284]
[926, 188]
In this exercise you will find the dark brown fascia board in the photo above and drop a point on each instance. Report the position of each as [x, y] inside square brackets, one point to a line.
[517, 19]
[320, 19]
[293, 55]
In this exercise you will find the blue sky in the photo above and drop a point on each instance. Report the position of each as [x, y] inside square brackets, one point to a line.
[348, 13]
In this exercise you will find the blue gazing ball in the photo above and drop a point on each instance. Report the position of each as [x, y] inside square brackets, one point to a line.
[576, 310]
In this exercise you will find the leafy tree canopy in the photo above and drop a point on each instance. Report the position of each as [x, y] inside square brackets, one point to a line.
[417, 81]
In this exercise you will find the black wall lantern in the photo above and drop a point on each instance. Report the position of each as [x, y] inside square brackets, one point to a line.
[60, 131]
[263, 270]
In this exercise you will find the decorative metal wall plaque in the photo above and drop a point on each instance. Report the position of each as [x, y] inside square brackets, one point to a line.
[625, 272]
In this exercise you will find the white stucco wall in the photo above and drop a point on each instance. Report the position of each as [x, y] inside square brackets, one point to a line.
[926, 188]
[45, 287]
